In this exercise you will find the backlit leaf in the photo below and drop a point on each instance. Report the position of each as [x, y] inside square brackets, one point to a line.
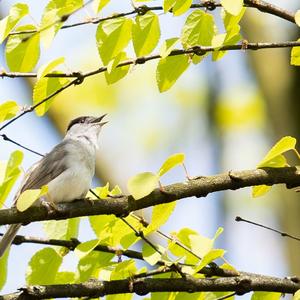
[234, 7]
[198, 29]
[209, 257]
[167, 47]
[48, 67]
[99, 4]
[3, 269]
[64, 278]
[171, 162]
[168, 4]
[145, 33]
[260, 190]
[297, 17]
[124, 270]
[85, 248]
[114, 73]
[112, 37]
[169, 69]
[296, 295]
[295, 55]
[8, 110]
[22, 51]
[43, 267]
[181, 6]
[266, 296]
[142, 184]
[150, 255]
[16, 12]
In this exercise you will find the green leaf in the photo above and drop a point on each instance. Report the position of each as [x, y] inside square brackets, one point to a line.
[260, 190]
[16, 12]
[297, 17]
[88, 267]
[142, 184]
[112, 37]
[181, 6]
[85, 248]
[43, 267]
[169, 70]
[171, 162]
[48, 67]
[124, 270]
[160, 216]
[99, 4]
[234, 7]
[145, 33]
[114, 73]
[22, 51]
[11, 174]
[52, 15]
[295, 55]
[150, 255]
[3, 269]
[168, 4]
[61, 229]
[209, 257]
[266, 296]
[167, 47]
[45, 87]
[283, 145]
[297, 295]
[8, 110]
[198, 29]
[28, 197]
[64, 278]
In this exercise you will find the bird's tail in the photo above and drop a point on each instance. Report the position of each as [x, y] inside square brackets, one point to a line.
[8, 237]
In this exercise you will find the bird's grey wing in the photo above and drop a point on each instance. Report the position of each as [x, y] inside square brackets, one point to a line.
[45, 170]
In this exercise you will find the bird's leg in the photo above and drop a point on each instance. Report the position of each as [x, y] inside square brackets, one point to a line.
[47, 202]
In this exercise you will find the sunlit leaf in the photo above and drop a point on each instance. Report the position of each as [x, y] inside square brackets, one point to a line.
[266, 296]
[296, 295]
[22, 51]
[145, 33]
[44, 87]
[168, 4]
[171, 162]
[142, 184]
[16, 12]
[167, 47]
[99, 4]
[181, 6]
[150, 255]
[124, 270]
[85, 248]
[283, 145]
[295, 55]
[169, 69]
[28, 197]
[234, 7]
[3, 269]
[112, 37]
[64, 278]
[43, 267]
[260, 190]
[8, 110]
[11, 174]
[48, 67]
[209, 257]
[114, 73]
[198, 29]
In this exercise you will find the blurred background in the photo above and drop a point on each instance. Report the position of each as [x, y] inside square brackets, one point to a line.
[223, 115]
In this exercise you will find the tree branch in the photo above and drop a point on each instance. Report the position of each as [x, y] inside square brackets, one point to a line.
[94, 288]
[199, 187]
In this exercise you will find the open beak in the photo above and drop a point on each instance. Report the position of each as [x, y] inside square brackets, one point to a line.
[98, 120]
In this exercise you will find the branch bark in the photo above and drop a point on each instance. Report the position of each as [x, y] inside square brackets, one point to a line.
[198, 187]
[240, 284]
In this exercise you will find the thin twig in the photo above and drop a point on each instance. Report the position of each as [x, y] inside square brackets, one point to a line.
[239, 219]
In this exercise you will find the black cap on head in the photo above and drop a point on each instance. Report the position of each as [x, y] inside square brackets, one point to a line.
[86, 120]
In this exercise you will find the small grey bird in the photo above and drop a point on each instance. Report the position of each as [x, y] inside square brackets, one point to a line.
[67, 170]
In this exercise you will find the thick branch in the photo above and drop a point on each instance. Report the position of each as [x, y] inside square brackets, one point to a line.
[94, 288]
[199, 187]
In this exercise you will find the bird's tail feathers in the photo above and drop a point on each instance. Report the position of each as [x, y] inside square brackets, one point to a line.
[8, 237]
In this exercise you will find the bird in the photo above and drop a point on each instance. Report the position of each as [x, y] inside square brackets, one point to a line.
[67, 170]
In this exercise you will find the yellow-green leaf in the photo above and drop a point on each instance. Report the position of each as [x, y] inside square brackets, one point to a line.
[28, 197]
[142, 184]
[260, 190]
[297, 295]
[99, 4]
[266, 296]
[145, 33]
[234, 7]
[43, 267]
[295, 55]
[168, 4]
[171, 162]
[10, 175]
[181, 6]
[48, 67]
[169, 69]
[85, 248]
[209, 257]
[167, 47]
[3, 268]
[112, 37]
[150, 255]
[16, 12]
[8, 110]
[285, 144]
[22, 51]
[198, 29]
[44, 87]
[297, 17]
